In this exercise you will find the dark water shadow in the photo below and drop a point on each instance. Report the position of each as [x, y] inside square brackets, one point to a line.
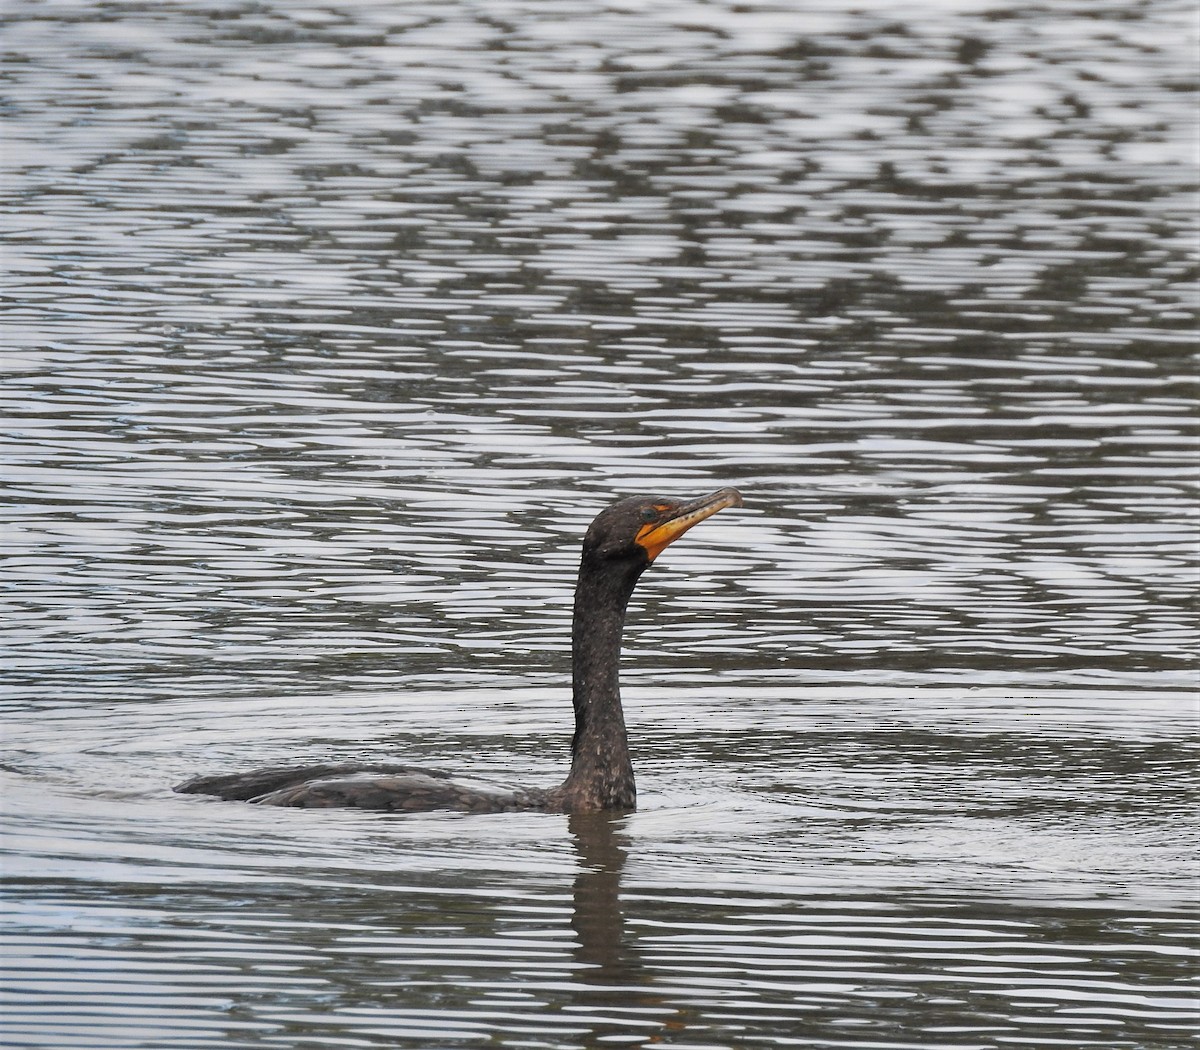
[597, 917]
[613, 983]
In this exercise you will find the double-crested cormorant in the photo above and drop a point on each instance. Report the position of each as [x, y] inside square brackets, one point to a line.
[623, 540]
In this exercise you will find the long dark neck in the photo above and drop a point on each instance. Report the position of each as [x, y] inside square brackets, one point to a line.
[601, 773]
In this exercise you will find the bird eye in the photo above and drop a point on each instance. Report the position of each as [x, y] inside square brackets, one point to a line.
[649, 514]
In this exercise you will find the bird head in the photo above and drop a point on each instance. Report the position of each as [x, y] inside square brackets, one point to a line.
[638, 529]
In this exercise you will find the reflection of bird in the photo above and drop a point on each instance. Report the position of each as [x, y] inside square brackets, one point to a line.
[623, 540]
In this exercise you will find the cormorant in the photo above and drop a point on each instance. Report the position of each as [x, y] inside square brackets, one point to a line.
[620, 544]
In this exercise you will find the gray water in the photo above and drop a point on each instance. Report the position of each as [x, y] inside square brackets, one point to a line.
[327, 331]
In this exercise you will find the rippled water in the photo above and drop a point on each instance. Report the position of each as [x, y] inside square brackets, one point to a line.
[328, 329]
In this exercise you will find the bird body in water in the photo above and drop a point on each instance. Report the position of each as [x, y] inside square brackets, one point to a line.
[620, 544]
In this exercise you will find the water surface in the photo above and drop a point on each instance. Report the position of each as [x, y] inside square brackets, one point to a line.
[327, 331]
